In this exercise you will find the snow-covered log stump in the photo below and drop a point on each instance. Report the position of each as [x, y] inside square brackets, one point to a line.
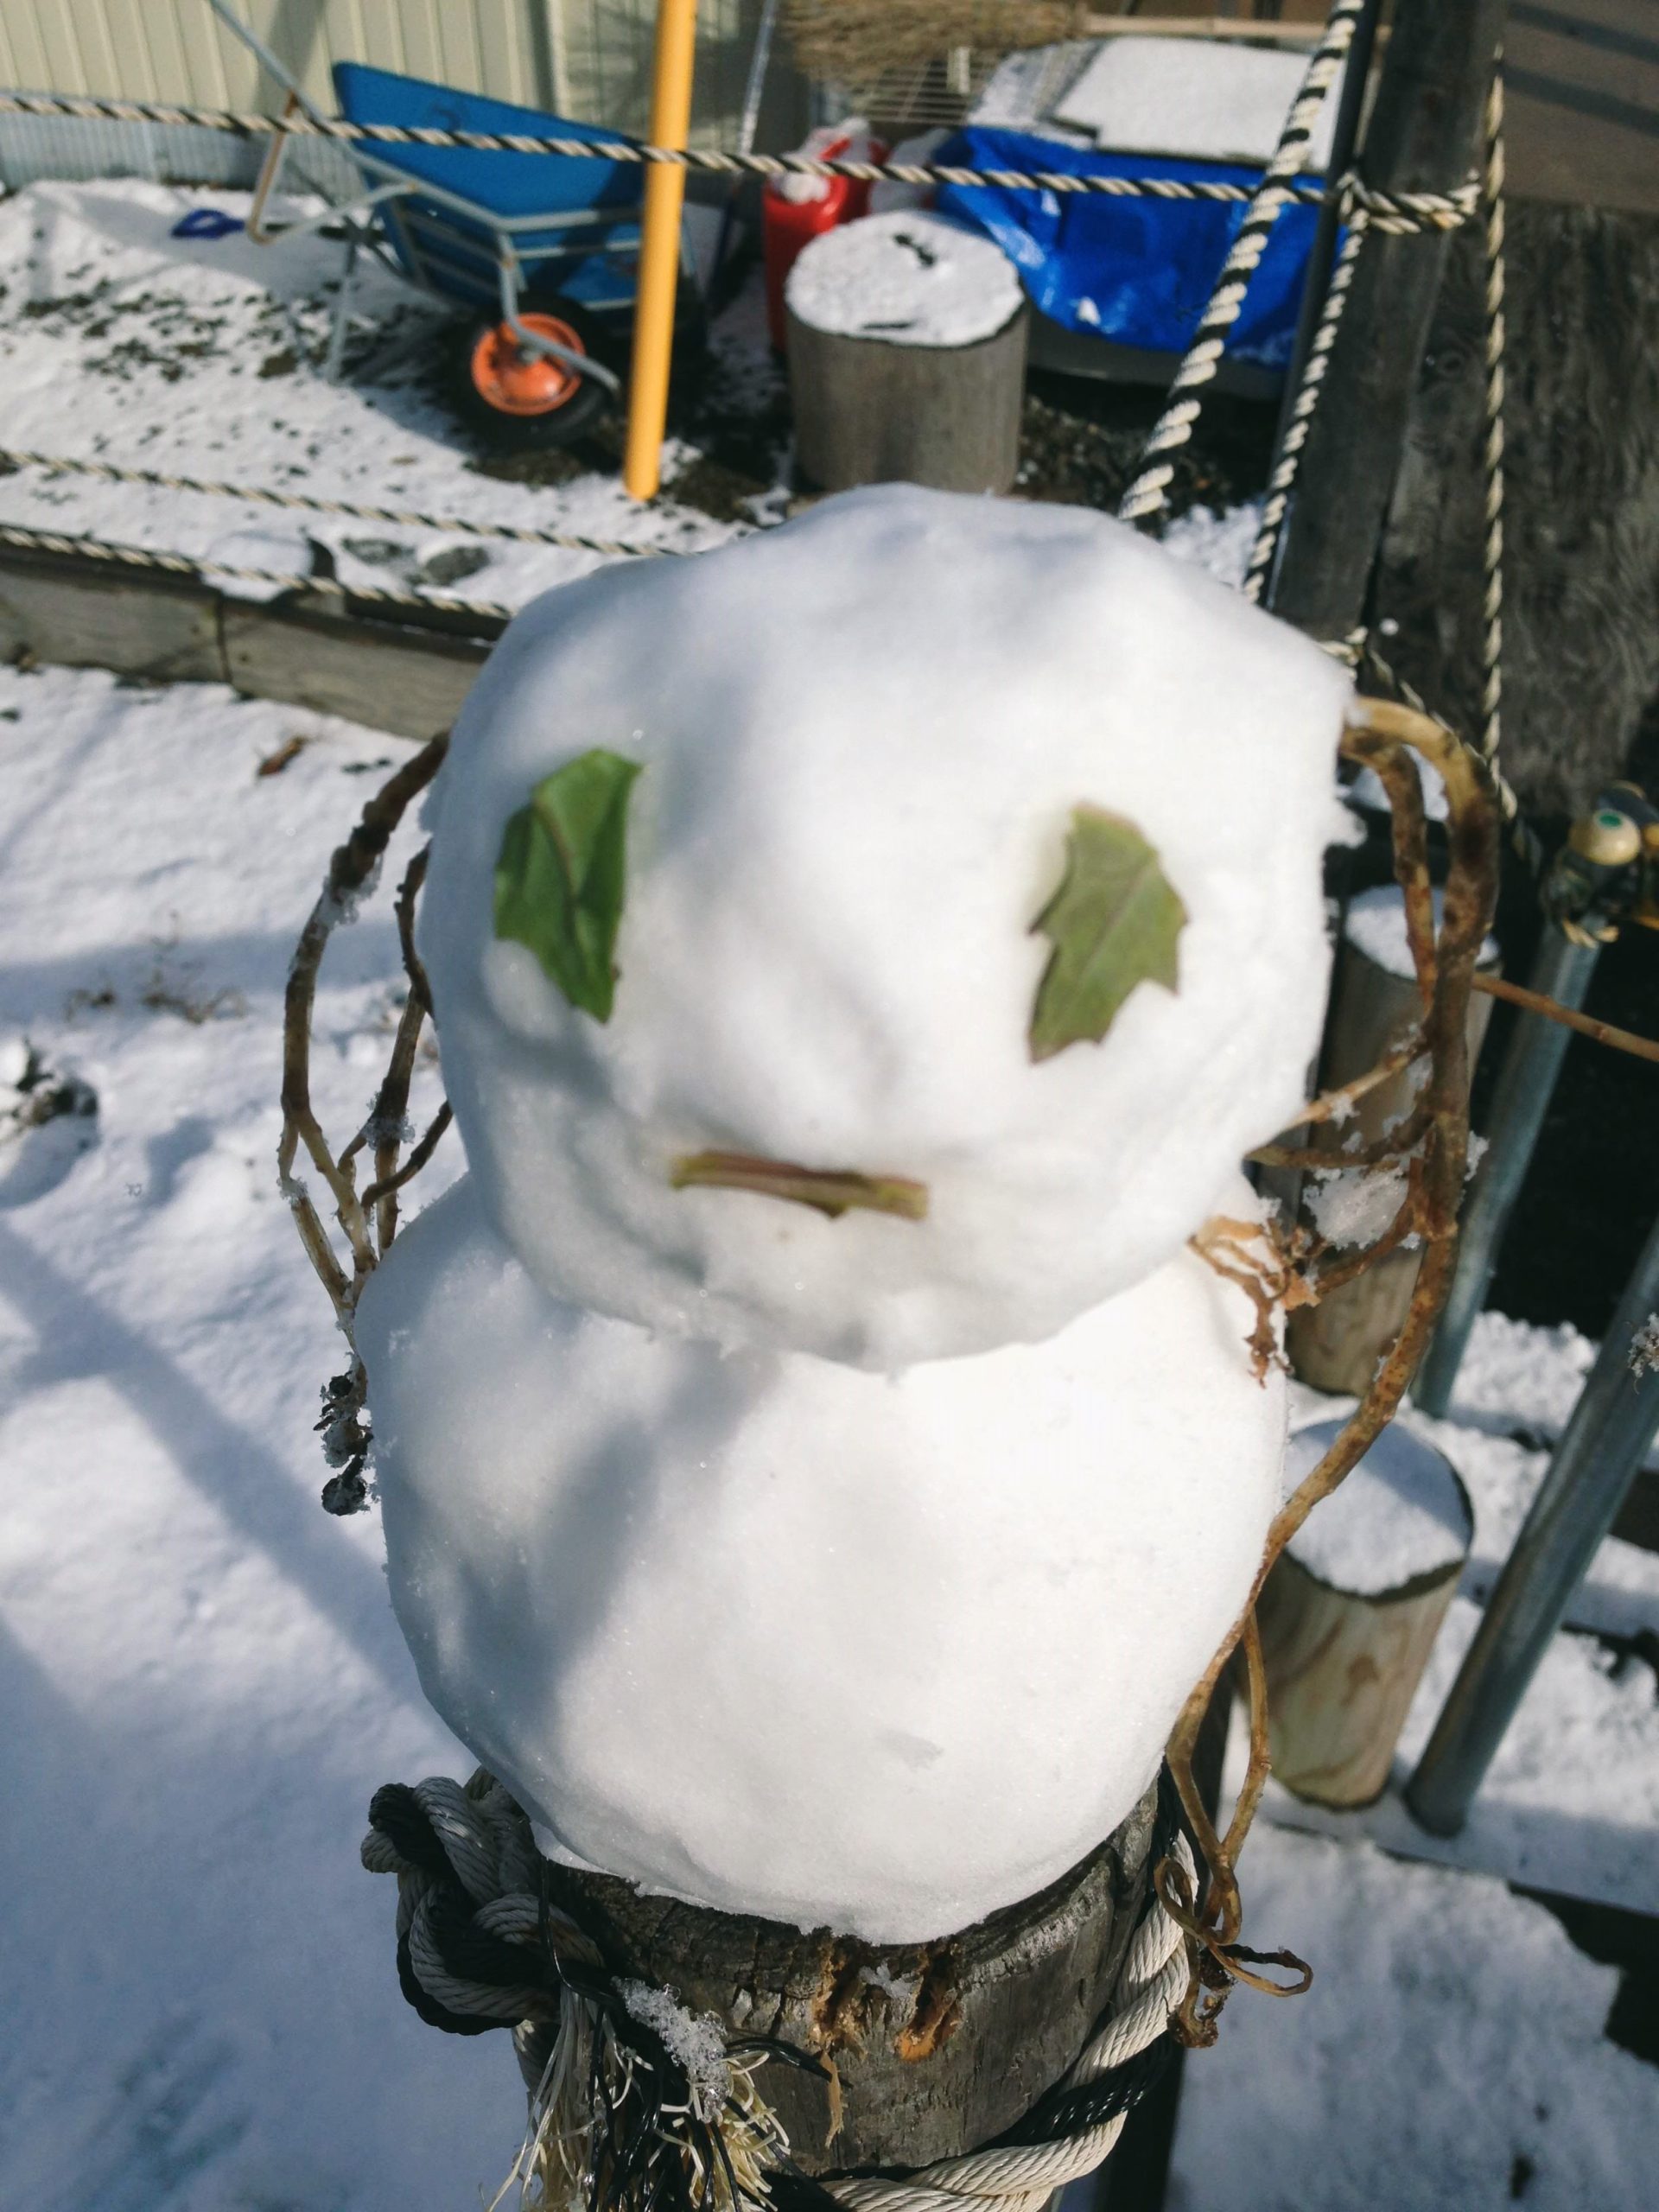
[938, 2046]
[1351, 1610]
[1335, 1345]
[906, 356]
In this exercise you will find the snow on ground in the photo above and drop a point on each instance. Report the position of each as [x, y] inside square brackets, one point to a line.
[120, 342]
[1572, 1801]
[203, 1681]
[1448, 2058]
[201, 1677]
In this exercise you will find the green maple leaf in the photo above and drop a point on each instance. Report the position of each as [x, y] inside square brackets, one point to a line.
[1114, 922]
[562, 877]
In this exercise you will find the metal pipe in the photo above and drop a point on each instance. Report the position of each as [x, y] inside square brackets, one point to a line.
[1602, 1447]
[267, 60]
[755, 88]
[533, 343]
[659, 249]
[1561, 970]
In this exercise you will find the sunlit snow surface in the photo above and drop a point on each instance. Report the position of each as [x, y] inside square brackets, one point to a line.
[120, 342]
[202, 1682]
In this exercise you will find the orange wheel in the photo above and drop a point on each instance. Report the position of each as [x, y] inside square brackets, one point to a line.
[515, 398]
[515, 382]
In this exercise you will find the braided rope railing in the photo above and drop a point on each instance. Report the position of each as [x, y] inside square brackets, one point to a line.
[1147, 495]
[489, 1936]
[1287, 461]
[1410, 211]
[1493, 551]
[488, 613]
[108, 472]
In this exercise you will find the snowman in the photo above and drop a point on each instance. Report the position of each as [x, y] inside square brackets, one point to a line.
[815, 1466]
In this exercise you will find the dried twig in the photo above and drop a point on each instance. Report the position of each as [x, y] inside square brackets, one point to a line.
[1604, 1033]
[1433, 1138]
[350, 873]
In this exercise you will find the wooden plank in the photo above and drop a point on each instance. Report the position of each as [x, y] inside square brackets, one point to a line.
[84, 617]
[409, 682]
[1421, 138]
[400, 681]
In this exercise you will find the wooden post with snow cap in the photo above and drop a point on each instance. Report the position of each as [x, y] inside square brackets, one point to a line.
[906, 356]
[659, 249]
[1335, 1345]
[1350, 1611]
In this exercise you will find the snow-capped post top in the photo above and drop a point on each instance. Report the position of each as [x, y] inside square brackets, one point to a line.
[911, 278]
[866, 740]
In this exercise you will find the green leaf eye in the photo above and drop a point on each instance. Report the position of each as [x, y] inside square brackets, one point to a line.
[1114, 922]
[562, 877]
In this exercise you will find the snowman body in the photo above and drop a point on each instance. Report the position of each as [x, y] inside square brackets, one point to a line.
[774, 1635]
[849, 1566]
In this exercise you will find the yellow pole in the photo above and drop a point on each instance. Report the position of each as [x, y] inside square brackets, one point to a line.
[659, 249]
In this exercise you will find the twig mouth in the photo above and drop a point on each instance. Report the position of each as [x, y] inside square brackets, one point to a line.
[832, 1191]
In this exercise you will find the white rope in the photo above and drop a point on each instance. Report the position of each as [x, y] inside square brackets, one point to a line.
[108, 472]
[1148, 496]
[241, 123]
[1404, 211]
[1289, 457]
[1021, 2177]
[180, 564]
[1492, 555]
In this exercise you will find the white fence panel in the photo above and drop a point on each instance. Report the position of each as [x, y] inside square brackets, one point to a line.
[588, 58]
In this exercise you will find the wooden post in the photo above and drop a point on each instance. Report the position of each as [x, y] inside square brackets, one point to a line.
[1335, 1345]
[659, 249]
[906, 355]
[1421, 138]
[1344, 1656]
[869, 411]
[938, 2046]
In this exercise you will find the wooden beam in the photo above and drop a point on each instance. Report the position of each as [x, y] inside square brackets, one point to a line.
[404, 679]
[1423, 136]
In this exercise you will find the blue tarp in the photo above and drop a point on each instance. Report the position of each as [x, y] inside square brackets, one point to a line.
[1136, 270]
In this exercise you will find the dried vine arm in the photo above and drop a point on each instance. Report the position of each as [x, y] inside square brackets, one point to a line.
[351, 871]
[1434, 1138]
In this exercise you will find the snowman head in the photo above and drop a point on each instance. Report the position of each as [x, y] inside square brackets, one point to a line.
[881, 938]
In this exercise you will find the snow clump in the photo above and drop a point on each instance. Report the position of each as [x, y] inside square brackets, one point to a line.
[770, 1635]
[909, 278]
[863, 738]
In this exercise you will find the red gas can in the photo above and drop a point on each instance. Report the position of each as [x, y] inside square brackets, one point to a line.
[795, 209]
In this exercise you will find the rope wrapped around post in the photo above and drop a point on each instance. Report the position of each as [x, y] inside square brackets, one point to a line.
[634, 2105]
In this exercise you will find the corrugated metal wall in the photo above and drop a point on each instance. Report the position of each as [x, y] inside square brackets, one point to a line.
[588, 58]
